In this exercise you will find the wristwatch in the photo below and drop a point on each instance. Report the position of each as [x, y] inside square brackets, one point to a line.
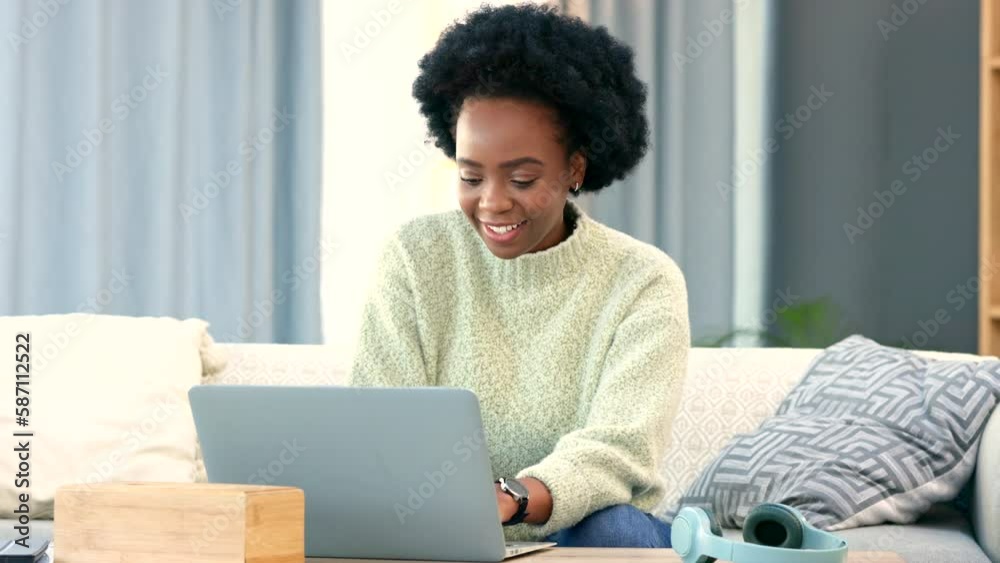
[519, 493]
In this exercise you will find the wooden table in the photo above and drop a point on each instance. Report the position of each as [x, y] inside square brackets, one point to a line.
[596, 555]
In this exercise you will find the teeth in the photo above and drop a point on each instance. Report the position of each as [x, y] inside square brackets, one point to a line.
[502, 230]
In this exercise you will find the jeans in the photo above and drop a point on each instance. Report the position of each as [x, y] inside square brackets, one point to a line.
[622, 525]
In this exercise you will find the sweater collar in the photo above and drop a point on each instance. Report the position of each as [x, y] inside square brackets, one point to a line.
[549, 264]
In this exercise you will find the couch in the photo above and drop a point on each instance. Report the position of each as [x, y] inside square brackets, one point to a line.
[725, 391]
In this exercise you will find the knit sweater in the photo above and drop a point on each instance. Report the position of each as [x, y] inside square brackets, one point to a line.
[576, 353]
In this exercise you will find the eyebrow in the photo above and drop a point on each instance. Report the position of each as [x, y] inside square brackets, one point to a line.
[507, 164]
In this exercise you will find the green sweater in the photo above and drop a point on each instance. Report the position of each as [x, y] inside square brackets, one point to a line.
[576, 353]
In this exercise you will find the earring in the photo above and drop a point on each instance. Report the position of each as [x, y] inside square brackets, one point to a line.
[576, 188]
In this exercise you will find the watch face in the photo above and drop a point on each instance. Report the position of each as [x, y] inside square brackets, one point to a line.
[517, 487]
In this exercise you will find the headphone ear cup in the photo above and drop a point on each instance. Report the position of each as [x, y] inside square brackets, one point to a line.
[714, 526]
[773, 525]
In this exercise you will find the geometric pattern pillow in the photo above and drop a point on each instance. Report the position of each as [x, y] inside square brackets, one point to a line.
[754, 381]
[871, 434]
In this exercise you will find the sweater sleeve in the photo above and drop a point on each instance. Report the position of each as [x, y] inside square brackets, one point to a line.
[615, 457]
[389, 352]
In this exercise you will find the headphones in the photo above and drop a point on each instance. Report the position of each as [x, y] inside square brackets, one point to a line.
[773, 533]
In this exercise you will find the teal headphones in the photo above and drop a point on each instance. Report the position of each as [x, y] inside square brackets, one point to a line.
[773, 533]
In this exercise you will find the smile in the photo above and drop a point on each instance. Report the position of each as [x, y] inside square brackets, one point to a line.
[501, 229]
[503, 233]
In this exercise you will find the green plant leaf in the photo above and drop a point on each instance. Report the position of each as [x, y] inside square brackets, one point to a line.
[816, 323]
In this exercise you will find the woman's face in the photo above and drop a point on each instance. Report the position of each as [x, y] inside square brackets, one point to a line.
[514, 174]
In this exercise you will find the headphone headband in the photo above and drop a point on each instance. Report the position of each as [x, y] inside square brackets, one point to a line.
[692, 539]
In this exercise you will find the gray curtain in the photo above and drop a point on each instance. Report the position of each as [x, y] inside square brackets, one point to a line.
[898, 78]
[163, 158]
[672, 200]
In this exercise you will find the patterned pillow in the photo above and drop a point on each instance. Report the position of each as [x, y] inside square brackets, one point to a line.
[870, 435]
[753, 382]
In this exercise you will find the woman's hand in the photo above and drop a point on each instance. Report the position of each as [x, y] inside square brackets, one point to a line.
[505, 504]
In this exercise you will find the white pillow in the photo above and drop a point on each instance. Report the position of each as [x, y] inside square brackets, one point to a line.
[108, 401]
[726, 391]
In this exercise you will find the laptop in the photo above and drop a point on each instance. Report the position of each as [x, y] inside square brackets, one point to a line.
[387, 473]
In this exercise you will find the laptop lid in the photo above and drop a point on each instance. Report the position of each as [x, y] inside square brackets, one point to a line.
[387, 473]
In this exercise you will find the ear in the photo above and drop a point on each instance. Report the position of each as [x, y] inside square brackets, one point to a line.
[577, 167]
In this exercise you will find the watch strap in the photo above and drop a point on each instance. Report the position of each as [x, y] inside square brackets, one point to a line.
[521, 499]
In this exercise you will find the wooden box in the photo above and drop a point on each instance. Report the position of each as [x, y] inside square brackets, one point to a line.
[179, 522]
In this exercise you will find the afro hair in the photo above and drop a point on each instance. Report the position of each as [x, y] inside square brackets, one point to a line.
[533, 52]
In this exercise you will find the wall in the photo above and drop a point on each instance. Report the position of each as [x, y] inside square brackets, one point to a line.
[895, 79]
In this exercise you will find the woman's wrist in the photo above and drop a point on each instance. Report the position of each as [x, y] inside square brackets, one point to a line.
[539, 502]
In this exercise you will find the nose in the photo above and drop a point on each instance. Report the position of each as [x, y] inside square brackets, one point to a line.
[494, 198]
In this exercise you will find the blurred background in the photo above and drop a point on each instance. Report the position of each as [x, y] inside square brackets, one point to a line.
[813, 170]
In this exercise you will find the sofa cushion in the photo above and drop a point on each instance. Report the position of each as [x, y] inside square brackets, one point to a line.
[942, 535]
[870, 435]
[108, 402]
[280, 364]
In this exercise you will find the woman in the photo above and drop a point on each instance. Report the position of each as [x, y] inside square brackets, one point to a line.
[574, 336]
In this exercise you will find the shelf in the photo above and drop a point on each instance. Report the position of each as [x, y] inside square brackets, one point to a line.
[989, 172]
